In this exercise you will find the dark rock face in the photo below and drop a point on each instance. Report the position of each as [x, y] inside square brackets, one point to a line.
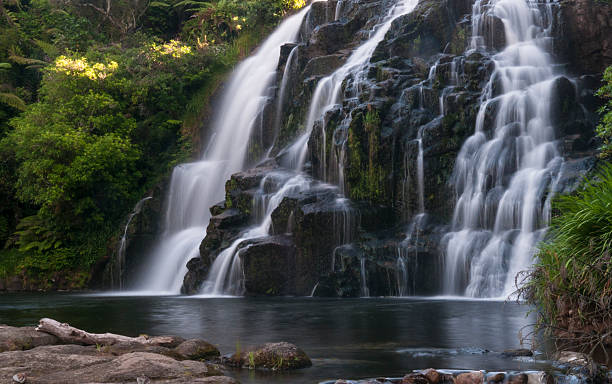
[418, 101]
[585, 35]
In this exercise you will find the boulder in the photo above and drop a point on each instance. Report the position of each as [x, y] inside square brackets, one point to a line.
[496, 377]
[23, 338]
[274, 356]
[196, 349]
[80, 364]
[520, 378]
[474, 377]
[269, 265]
[415, 378]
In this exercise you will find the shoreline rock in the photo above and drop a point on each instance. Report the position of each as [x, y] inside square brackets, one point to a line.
[58, 353]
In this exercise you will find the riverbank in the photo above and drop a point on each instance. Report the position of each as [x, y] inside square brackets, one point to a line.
[56, 352]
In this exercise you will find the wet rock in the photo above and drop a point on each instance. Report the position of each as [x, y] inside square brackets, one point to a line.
[435, 377]
[415, 378]
[269, 266]
[275, 356]
[475, 377]
[196, 349]
[540, 378]
[322, 65]
[517, 352]
[520, 378]
[205, 380]
[585, 34]
[23, 338]
[496, 378]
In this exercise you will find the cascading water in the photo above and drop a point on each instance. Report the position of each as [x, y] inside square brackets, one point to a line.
[224, 276]
[120, 261]
[328, 91]
[197, 186]
[504, 171]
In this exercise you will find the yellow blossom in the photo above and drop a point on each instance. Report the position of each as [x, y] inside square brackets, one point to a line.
[80, 67]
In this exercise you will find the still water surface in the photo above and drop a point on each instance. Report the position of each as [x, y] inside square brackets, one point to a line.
[346, 338]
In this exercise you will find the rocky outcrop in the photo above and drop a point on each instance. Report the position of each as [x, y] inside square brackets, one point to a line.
[40, 357]
[417, 102]
[80, 364]
[23, 338]
[585, 35]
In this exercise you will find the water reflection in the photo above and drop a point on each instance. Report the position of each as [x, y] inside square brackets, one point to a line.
[351, 338]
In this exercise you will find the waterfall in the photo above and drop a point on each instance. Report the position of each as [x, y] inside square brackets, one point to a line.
[120, 262]
[327, 94]
[504, 171]
[195, 187]
[225, 274]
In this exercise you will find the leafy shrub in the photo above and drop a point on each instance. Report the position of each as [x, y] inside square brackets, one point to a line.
[571, 283]
[604, 129]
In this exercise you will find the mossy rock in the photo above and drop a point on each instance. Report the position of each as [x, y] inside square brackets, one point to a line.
[281, 356]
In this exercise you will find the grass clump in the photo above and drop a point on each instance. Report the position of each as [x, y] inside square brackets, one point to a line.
[571, 283]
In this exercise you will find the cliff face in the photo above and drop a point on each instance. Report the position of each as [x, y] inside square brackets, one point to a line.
[420, 104]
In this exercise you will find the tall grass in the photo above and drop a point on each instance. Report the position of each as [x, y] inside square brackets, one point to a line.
[571, 283]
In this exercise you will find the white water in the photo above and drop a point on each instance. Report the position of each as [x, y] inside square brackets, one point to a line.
[123, 242]
[502, 177]
[225, 274]
[195, 187]
[328, 91]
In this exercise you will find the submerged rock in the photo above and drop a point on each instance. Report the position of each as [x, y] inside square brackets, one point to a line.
[517, 352]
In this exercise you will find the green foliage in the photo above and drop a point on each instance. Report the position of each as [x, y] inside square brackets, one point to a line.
[93, 113]
[604, 129]
[571, 281]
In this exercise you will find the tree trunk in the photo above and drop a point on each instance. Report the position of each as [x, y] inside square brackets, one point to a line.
[71, 335]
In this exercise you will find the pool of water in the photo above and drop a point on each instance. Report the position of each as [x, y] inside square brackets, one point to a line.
[346, 338]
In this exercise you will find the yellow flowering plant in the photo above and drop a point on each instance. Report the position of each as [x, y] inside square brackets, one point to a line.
[82, 68]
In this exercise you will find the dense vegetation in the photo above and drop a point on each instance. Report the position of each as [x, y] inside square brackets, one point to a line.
[98, 100]
[572, 282]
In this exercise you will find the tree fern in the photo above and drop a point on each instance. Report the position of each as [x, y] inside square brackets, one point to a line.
[12, 100]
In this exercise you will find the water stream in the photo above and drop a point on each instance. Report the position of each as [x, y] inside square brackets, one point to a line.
[195, 187]
[505, 169]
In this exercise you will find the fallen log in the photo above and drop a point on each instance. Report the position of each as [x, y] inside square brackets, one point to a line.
[72, 335]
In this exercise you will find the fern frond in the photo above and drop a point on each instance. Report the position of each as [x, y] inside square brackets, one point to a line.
[13, 101]
[49, 49]
[26, 61]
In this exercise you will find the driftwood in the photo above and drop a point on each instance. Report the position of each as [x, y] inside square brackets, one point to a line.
[72, 335]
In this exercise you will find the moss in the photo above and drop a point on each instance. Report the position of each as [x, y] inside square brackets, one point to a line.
[459, 40]
[366, 175]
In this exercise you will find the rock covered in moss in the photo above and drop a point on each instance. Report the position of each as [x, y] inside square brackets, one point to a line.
[281, 356]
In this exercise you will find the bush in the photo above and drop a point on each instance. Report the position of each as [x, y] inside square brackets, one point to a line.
[571, 283]
[604, 129]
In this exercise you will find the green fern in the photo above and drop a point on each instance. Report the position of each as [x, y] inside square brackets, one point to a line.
[49, 49]
[12, 101]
